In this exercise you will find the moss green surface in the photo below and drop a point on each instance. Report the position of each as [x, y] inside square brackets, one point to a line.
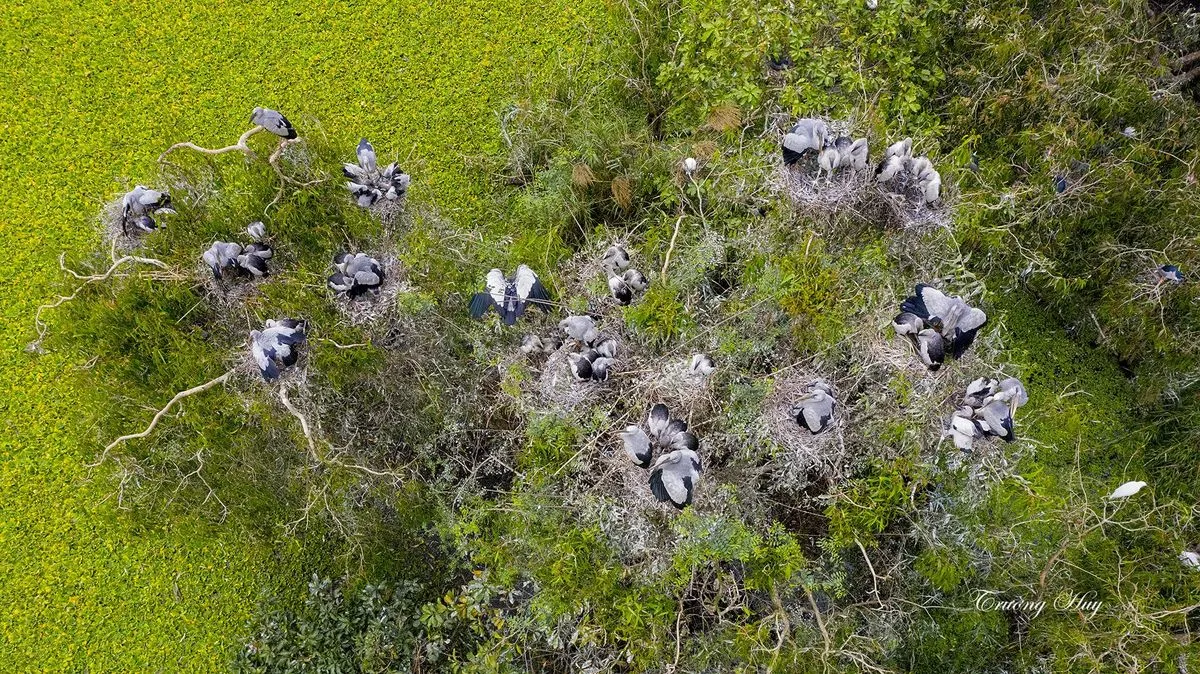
[93, 91]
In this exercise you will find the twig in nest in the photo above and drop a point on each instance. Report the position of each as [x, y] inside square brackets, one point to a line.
[36, 344]
[161, 413]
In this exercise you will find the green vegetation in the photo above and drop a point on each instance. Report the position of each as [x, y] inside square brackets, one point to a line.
[419, 495]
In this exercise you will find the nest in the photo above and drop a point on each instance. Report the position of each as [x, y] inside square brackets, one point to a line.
[374, 308]
[557, 387]
[114, 234]
[803, 457]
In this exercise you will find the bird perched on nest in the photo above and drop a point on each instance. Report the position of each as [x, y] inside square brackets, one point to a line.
[531, 344]
[273, 121]
[690, 165]
[815, 407]
[139, 204]
[987, 410]
[894, 160]
[928, 309]
[252, 259]
[701, 365]
[368, 184]
[580, 328]
[356, 274]
[852, 154]
[278, 342]
[669, 433]
[807, 135]
[616, 258]
[220, 256]
[510, 296]
[590, 365]
[1168, 273]
[628, 285]
[674, 477]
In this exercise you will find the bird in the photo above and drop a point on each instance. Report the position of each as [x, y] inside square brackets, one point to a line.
[254, 259]
[366, 156]
[533, 343]
[854, 155]
[889, 168]
[581, 367]
[636, 280]
[616, 258]
[908, 324]
[995, 418]
[1169, 273]
[702, 365]
[620, 290]
[1012, 392]
[901, 149]
[931, 348]
[1190, 559]
[931, 187]
[580, 328]
[828, 159]
[657, 421]
[637, 446]
[1126, 490]
[601, 368]
[674, 477]
[814, 409]
[779, 61]
[980, 390]
[920, 167]
[1060, 184]
[273, 121]
[257, 230]
[872, 4]
[510, 296]
[806, 135]
[138, 204]
[276, 343]
[954, 319]
[356, 274]
[221, 256]
[962, 428]
[689, 165]
[367, 184]
[606, 346]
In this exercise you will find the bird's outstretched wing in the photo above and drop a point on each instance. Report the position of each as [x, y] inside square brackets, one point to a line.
[530, 288]
[480, 303]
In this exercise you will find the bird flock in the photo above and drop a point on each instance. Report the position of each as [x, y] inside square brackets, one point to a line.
[356, 274]
[987, 410]
[674, 475]
[140, 205]
[596, 353]
[811, 137]
[937, 324]
[624, 282]
[226, 258]
[368, 184]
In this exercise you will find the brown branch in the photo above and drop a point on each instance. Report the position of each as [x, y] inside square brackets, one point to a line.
[1186, 61]
[161, 413]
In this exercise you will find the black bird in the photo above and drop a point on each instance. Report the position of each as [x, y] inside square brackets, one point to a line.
[254, 259]
[1169, 273]
[510, 296]
[954, 319]
[274, 122]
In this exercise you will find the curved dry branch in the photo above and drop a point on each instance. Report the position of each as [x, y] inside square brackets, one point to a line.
[161, 413]
[240, 146]
[36, 345]
[312, 445]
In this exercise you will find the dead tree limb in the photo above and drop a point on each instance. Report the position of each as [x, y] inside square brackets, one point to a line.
[240, 146]
[161, 413]
[36, 344]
